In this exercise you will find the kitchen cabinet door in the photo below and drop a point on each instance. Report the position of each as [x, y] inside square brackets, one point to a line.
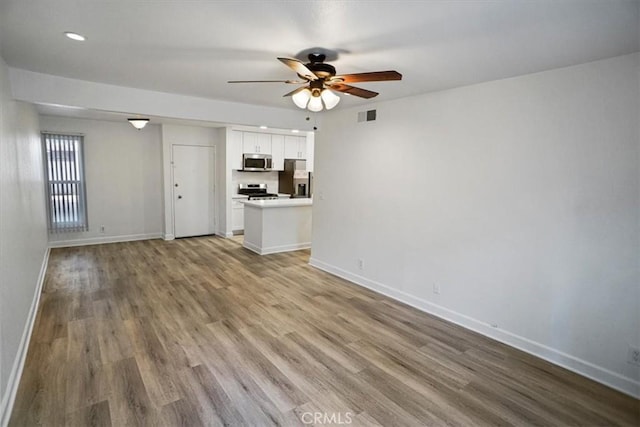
[235, 147]
[277, 152]
[253, 142]
[237, 216]
[302, 147]
[263, 143]
[250, 142]
[291, 147]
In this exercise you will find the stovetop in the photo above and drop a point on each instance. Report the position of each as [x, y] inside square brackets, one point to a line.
[256, 191]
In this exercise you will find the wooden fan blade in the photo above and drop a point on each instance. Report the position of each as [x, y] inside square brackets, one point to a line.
[293, 82]
[375, 76]
[299, 68]
[352, 90]
[293, 92]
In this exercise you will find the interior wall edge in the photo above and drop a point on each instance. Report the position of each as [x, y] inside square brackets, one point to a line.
[599, 374]
[8, 399]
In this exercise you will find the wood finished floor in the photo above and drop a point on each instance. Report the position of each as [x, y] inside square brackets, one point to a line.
[203, 332]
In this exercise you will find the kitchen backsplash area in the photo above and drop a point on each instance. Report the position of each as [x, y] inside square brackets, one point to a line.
[269, 178]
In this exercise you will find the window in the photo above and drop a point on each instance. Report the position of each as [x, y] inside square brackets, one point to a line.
[67, 202]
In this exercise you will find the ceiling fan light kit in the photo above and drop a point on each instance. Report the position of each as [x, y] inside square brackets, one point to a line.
[301, 98]
[330, 99]
[315, 104]
[316, 99]
[321, 81]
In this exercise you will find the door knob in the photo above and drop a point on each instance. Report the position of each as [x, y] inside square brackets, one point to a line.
[179, 197]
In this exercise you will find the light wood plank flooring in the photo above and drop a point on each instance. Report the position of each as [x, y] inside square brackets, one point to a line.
[203, 332]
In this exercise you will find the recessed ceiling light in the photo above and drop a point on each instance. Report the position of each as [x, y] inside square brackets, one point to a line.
[263, 127]
[295, 130]
[75, 36]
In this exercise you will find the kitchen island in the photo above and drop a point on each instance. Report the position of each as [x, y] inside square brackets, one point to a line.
[279, 225]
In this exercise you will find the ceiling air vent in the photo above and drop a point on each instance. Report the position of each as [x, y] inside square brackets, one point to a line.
[367, 116]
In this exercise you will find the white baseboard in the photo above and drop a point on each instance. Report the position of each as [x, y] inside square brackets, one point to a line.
[168, 236]
[602, 375]
[226, 234]
[106, 239]
[276, 249]
[18, 364]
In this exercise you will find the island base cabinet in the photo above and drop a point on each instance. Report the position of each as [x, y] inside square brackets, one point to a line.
[273, 230]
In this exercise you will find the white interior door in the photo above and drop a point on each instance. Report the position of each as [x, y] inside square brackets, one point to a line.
[193, 190]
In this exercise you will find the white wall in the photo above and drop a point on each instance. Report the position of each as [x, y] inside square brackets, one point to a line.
[23, 234]
[123, 169]
[519, 197]
[194, 135]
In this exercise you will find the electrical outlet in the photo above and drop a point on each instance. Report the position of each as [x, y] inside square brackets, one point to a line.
[360, 264]
[436, 288]
[102, 229]
[634, 356]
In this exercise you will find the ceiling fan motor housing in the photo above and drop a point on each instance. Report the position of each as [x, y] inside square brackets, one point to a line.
[319, 68]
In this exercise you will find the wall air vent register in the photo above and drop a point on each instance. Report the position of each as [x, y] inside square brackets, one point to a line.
[367, 116]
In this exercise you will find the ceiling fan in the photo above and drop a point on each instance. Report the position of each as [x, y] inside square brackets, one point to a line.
[320, 80]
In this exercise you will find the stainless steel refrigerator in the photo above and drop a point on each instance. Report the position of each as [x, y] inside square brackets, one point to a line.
[295, 179]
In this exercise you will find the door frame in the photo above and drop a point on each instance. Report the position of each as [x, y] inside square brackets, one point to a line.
[169, 180]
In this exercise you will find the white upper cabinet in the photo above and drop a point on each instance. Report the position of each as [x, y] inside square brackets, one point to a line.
[295, 147]
[249, 142]
[277, 152]
[302, 147]
[253, 142]
[264, 143]
[279, 146]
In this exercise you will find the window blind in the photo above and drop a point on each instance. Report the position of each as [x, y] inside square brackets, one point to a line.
[67, 208]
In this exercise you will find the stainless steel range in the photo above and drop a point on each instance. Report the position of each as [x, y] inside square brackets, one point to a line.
[256, 191]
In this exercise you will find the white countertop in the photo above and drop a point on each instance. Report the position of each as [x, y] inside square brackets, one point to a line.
[244, 196]
[278, 203]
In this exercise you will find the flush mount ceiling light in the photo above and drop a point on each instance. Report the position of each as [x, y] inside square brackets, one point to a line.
[138, 123]
[75, 36]
[321, 82]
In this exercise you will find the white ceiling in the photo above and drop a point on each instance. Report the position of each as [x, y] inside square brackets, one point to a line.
[194, 47]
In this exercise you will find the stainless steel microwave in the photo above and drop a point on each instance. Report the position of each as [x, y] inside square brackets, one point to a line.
[256, 162]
